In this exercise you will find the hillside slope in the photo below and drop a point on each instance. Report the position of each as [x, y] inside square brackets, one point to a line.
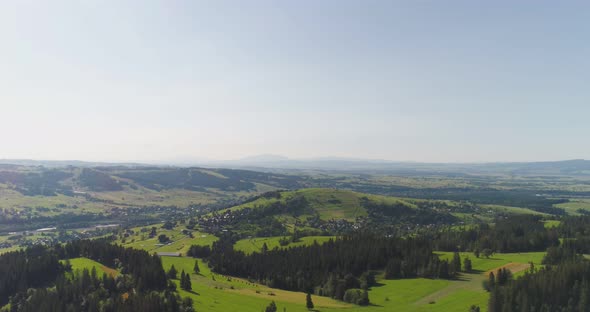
[324, 211]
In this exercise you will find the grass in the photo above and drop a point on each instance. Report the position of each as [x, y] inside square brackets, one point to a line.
[574, 205]
[79, 264]
[329, 203]
[498, 259]
[232, 294]
[419, 294]
[551, 223]
[9, 249]
[513, 210]
[255, 244]
[179, 242]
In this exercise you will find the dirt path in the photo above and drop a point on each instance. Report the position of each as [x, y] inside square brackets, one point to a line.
[471, 281]
[512, 266]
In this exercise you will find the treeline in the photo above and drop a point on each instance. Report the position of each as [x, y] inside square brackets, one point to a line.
[21, 270]
[400, 213]
[562, 285]
[575, 231]
[34, 280]
[146, 269]
[87, 292]
[565, 287]
[513, 234]
[98, 181]
[332, 269]
[513, 198]
[44, 182]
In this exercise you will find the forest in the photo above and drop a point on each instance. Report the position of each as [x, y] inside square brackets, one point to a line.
[333, 268]
[514, 234]
[36, 280]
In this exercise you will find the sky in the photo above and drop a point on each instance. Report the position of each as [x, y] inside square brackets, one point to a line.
[180, 81]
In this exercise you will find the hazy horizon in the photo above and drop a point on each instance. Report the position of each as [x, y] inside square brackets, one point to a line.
[189, 81]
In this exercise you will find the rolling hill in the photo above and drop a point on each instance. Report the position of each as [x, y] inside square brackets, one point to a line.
[321, 211]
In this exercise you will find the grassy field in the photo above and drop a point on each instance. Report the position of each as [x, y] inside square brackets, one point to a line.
[330, 203]
[498, 259]
[179, 242]
[79, 264]
[213, 292]
[59, 204]
[255, 244]
[551, 223]
[513, 210]
[574, 205]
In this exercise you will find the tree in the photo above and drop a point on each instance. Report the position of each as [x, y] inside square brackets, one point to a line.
[474, 308]
[169, 225]
[172, 273]
[492, 280]
[196, 268]
[264, 249]
[456, 262]
[364, 298]
[487, 252]
[188, 283]
[476, 252]
[163, 238]
[272, 307]
[467, 264]
[185, 281]
[308, 302]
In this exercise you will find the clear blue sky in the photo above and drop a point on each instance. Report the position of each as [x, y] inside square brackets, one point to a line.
[447, 81]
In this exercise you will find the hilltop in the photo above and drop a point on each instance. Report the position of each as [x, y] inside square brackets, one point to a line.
[315, 211]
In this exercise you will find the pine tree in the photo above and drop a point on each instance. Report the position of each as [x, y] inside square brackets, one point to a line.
[467, 264]
[272, 307]
[172, 273]
[308, 303]
[456, 262]
[583, 303]
[187, 283]
[196, 268]
[183, 284]
[492, 281]
[364, 298]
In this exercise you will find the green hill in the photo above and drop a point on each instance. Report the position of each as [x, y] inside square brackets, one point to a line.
[328, 203]
[319, 211]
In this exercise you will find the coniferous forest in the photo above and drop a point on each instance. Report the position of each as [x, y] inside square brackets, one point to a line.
[333, 268]
[35, 280]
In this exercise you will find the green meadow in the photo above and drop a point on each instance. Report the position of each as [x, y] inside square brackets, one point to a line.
[574, 205]
[214, 292]
[179, 242]
[251, 245]
[79, 264]
[329, 203]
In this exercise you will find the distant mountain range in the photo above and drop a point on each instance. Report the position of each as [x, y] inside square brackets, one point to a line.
[65, 163]
[575, 167]
[266, 162]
